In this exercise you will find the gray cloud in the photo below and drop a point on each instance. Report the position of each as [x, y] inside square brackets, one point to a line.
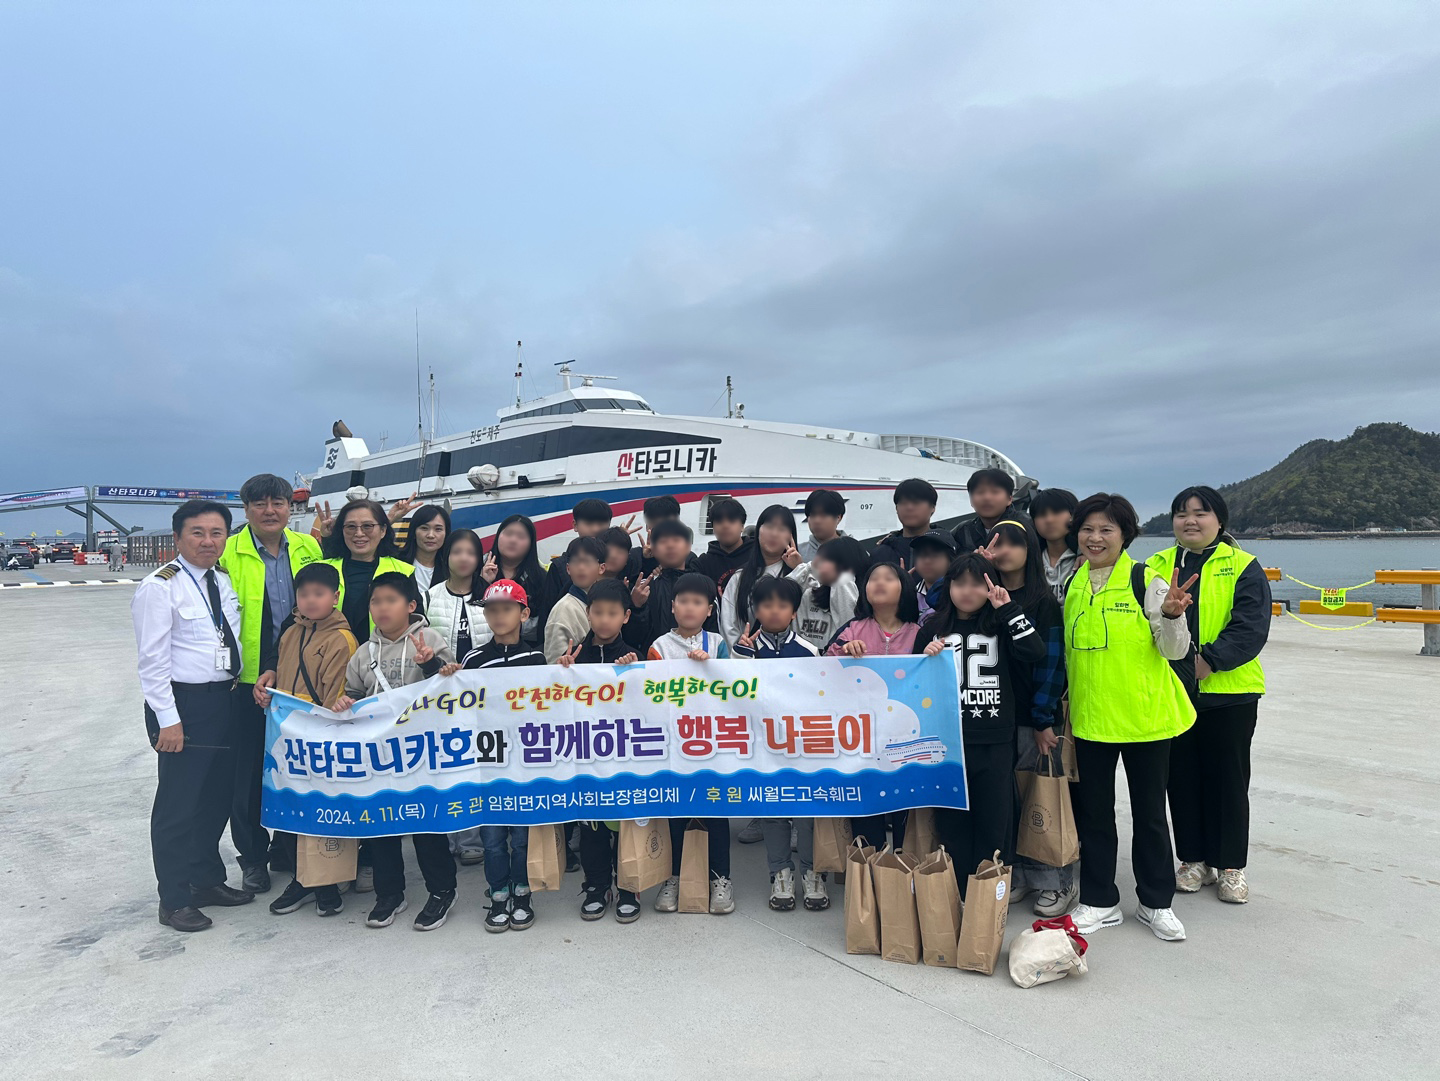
[1131, 252]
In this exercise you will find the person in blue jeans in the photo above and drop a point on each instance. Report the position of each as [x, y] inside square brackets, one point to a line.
[506, 852]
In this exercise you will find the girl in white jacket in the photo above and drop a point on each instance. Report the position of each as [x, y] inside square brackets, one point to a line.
[775, 553]
[452, 604]
[829, 582]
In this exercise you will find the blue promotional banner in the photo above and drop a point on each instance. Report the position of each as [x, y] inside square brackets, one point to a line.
[822, 736]
[115, 491]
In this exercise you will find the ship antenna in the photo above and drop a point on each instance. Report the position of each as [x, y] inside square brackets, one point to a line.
[419, 403]
[519, 369]
[729, 397]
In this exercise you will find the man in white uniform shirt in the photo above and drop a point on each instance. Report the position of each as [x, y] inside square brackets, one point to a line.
[187, 626]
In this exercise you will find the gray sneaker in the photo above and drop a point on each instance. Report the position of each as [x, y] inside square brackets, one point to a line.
[722, 896]
[752, 834]
[1052, 903]
[1233, 887]
[1189, 877]
[668, 899]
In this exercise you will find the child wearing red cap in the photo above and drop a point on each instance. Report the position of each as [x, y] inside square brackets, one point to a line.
[506, 608]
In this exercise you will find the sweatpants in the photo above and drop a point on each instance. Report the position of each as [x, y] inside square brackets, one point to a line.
[973, 836]
[599, 850]
[719, 829]
[1147, 767]
[777, 843]
[1210, 786]
[432, 853]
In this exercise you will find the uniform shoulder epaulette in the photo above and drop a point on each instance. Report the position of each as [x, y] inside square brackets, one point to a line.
[221, 569]
[170, 570]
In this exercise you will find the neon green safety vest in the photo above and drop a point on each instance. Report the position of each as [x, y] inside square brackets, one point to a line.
[1218, 576]
[242, 562]
[1121, 689]
[382, 566]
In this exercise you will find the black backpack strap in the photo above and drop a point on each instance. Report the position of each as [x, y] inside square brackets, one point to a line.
[1137, 583]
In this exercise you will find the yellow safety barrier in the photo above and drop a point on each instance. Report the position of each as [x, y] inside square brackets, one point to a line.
[1273, 574]
[1276, 608]
[1408, 578]
[1424, 616]
[1349, 608]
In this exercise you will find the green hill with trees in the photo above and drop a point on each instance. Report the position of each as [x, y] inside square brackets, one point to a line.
[1384, 475]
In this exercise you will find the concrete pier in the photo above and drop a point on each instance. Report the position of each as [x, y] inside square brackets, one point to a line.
[1326, 973]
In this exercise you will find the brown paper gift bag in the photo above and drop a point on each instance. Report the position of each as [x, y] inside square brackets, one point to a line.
[832, 838]
[982, 930]
[1047, 821]
[643, 859]
[325, 861]
[545, 860]
[862, 918]
[1067, 745]
[895, 898]
[937, 901]
[920, 836]
[695, 868]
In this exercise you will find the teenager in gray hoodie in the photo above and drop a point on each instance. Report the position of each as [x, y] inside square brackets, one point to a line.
[403, 649]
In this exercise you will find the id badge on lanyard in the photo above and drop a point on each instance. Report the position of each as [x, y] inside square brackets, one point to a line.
[222, 651]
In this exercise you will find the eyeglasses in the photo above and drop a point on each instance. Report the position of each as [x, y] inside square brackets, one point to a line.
[361, 527]
[1090, 631]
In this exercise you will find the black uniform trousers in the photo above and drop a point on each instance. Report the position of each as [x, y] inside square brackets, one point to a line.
[432, 852]
[251, 840]
[973, 836]
[1210, 786]
[1147, 767]
[192, 793]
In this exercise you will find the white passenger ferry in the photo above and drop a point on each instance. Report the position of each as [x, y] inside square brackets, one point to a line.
[544, 455]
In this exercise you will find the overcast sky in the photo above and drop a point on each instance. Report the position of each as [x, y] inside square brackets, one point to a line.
[1132, 245]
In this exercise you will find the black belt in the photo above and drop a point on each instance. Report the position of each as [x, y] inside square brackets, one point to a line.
[213, 685]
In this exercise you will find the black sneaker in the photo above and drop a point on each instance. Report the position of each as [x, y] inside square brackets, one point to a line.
[327, 901]
[596, 903]
[572, 861]
[498, 918]
[627, 907]
[433, 914]
[292, 898]
[521, 914]
[385, 910]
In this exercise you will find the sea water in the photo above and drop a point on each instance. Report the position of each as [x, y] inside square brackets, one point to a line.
[1333, 564]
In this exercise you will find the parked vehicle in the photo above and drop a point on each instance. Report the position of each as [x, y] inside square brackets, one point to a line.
[17, 556]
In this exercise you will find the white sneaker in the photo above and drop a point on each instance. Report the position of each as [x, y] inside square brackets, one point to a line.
[782, 891]
[751, 834]
[1089, 919]
[1189, 877]
[364, 879]
[722, 896]
[1052, 903]
[1163, 922]
[816, 899]
[668, 899]
[1019, 893]
[1233, 887]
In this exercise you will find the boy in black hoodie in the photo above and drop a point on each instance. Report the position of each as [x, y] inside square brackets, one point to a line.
[608, 605]
[989, 633]
[991, 491]
[591, 518]
[730, 550]
[506, 847]
[915, 501]
[654, 593]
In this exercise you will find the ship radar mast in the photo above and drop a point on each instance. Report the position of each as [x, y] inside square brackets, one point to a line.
[585, 380]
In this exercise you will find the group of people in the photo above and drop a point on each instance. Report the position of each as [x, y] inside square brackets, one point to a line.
[1057, 630]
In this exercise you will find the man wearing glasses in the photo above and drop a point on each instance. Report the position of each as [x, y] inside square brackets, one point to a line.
[261, 558]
